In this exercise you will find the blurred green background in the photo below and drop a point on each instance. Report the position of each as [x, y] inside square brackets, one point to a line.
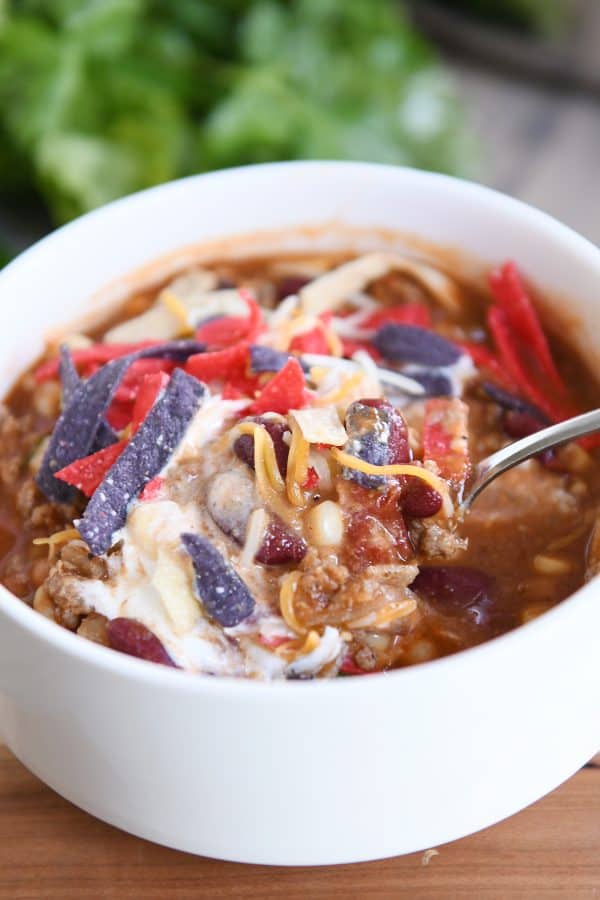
[99, 98]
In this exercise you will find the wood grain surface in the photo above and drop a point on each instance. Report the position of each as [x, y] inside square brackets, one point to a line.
[51, 850]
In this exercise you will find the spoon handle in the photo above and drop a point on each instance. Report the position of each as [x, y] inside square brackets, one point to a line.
[513, 454]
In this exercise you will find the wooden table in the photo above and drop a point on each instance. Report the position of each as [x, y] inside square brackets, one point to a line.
[51, 850]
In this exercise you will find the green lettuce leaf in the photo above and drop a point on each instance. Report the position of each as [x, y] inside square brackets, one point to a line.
[99, 98]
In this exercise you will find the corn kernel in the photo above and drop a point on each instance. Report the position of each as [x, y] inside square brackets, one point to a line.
[551, 565]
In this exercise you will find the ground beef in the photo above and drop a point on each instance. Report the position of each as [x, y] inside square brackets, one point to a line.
[93, 627]
[17, 439]
[15, 573]
[322, 576]
[64, 589]
[64, 582]
[593, 552]
[80, 561]
[435, 539]
[327, 593]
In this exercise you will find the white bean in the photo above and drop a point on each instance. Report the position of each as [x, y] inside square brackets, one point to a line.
[325, 524]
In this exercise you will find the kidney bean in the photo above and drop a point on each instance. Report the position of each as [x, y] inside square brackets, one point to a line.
[419, 500]
[132, 637]
[456, 591]
[291, 284]
[243, 446]
[280, 546]
[378, 435]
[521, 424]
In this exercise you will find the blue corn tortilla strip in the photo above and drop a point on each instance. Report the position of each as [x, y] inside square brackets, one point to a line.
[145, 455]
[70, 380]
[369, 431]
[413, 344]
[436, 384]
[266, 359]
[513, 403]
[76, 432]
[224, 595]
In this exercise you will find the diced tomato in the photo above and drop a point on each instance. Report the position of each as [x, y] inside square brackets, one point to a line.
[514, 357]
[153, 489]
[510, 293]
[135, 374]
[229, 330]
[151, 386]
[312, 479]
[406, 314]
[231, 392]
[285, 391]
[591, 442]
[220, 365]
[445, 440]
[88, 369]
[118, 415]
[349, 348]
[484, 358]
[89, 472]
[97, 354]
[313, 341]
[511, 357]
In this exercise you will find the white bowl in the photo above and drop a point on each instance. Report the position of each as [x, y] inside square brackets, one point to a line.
[299, 773]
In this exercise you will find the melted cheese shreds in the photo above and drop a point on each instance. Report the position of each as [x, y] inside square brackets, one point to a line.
[326, 651]
[353, 462]
[284, 311]
[398, 609]
[387, 376]
[273, 498]
[177, 309]
[334, 288]
[57, 540]
[255, 532]
[333, 342]
[158, 322]
[297, 468]
[287, 593]
[320, 425]
[266, 450]
[344, 392]
[173, 584]
[59, 537]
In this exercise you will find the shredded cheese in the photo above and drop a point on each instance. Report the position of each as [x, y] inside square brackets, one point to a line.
[287, 593]
[255, 532]
[333, 342]
[178, 310]
[267, 451]
[297, 468]
[341, 393]
[58, 538]
[311, 643]
[265, 464]
[353, 462]
[387, 376]
[320, 425]
[396, 610]
[334, 287]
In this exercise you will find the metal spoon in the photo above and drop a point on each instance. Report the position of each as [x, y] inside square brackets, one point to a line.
[513, 454]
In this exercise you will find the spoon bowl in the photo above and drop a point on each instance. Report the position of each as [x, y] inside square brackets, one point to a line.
[488, 469]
